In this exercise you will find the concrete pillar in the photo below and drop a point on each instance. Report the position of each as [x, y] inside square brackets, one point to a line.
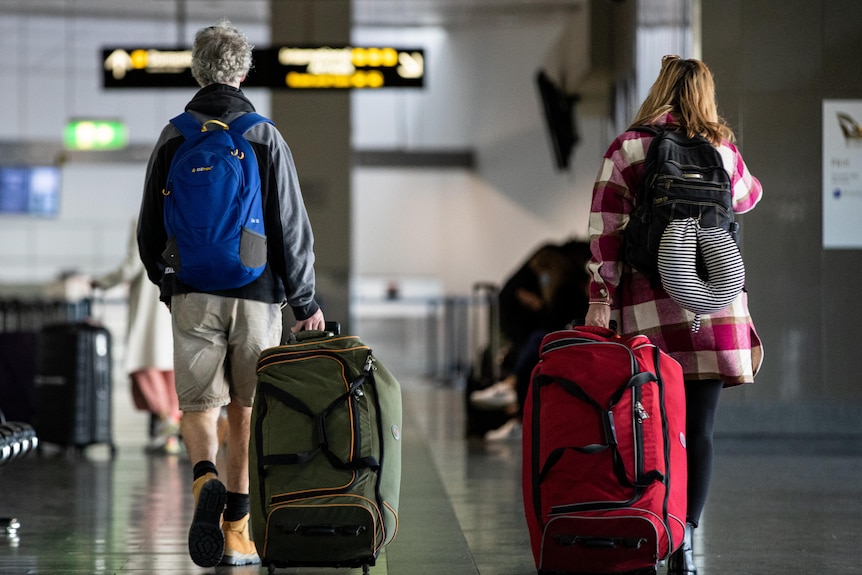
[316, 125]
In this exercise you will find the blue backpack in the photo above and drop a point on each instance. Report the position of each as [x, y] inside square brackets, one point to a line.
[212, 205]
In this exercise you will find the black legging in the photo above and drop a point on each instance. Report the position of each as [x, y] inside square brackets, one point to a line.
[701, 402]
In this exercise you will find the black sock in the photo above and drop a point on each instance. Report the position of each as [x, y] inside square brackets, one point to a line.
[237, 506]
[204, 467]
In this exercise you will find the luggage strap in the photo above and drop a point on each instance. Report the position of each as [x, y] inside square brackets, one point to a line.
[608, 428]
[321, 435]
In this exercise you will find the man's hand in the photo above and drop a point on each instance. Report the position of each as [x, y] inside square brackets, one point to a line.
[316, 321]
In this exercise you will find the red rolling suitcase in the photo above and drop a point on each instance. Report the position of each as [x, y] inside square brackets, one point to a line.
[604, 460]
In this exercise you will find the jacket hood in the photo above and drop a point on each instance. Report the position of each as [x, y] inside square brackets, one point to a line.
[219, 101]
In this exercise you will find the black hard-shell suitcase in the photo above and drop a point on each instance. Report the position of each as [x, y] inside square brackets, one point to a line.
[485, 369]
[73, 385]
[19, 322]
[17, 372]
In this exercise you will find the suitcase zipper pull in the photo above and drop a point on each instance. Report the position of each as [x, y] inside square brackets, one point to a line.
[367, 368]
[642, 413]
[369, 363]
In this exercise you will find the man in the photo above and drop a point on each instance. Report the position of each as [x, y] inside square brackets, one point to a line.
[218, 335]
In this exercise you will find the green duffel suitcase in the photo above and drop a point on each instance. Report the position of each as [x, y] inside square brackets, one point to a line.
[324, 454]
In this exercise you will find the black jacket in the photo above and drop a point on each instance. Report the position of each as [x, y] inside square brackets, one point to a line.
[289, 274]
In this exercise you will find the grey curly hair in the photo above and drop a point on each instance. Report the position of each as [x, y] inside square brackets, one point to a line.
[221, 55]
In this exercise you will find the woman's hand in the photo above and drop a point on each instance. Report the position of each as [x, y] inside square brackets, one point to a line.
[599, 314]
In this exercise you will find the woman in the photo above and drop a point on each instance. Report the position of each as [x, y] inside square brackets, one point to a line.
[726, 350]
[149, 349]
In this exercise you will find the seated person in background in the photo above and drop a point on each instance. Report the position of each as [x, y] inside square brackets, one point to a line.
[548, 292]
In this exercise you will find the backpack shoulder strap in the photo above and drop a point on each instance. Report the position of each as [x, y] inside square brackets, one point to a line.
[245, 122]
[649, 129]
[186, 124]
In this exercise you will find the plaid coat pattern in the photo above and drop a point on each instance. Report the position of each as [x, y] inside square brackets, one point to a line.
[726, 346]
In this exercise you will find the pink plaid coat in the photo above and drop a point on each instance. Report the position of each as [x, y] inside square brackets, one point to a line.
[727, 346]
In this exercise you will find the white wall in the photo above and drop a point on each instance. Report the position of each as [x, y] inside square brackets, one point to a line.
[448, 224]
[98, 201]
[463, 226]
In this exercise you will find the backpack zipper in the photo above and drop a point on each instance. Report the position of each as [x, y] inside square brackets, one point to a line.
[665, 199]
[668, 183]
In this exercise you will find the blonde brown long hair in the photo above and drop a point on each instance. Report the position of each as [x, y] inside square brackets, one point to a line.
[686, 90]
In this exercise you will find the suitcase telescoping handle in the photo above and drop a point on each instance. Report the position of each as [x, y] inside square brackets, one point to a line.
[609, 331]
[330, 329]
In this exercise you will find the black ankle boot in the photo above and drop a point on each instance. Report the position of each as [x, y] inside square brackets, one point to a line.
[681, 562]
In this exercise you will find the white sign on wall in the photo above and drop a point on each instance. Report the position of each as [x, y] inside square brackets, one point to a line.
[842, 174]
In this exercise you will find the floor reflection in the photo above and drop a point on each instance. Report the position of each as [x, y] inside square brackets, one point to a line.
[777, 507]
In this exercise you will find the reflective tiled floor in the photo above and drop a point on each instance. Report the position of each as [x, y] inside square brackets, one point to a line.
[777, 507]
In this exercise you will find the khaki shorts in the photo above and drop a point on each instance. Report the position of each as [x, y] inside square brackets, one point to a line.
[217, 342]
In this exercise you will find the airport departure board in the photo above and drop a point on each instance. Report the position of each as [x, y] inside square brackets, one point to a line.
[285, 67]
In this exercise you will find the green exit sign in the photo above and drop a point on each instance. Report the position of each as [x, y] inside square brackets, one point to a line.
[84, 134]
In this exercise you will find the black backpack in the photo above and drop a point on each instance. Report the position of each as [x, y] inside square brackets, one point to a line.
[683, 178]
